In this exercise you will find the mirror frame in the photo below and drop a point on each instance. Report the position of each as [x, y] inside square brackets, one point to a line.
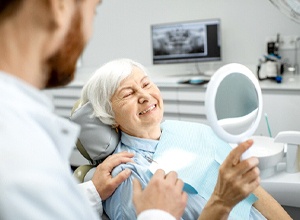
[210, 96]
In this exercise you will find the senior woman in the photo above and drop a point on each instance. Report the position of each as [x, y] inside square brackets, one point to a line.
[123, 96]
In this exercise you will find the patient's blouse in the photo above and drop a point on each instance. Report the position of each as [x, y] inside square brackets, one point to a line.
[120, 206]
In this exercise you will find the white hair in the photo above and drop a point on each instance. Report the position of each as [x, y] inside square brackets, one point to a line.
[102, 85]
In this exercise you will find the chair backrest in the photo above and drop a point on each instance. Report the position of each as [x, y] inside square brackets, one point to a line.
[96, 140]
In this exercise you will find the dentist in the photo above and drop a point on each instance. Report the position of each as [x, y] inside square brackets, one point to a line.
[40, 42]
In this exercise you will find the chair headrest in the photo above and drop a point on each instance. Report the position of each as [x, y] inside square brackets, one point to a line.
[96, 140]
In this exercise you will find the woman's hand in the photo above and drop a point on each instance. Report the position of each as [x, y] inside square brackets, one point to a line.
[163, 192]
[102, 179]
[236, 180]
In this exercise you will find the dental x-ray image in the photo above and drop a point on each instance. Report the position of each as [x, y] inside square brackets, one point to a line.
[177, 40]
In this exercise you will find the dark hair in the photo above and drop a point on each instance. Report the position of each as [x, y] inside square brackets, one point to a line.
[9, 7]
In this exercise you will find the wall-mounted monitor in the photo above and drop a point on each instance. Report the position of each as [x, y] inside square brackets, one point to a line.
[190, 41]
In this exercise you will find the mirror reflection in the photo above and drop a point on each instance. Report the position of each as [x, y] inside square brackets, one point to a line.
[236, 103]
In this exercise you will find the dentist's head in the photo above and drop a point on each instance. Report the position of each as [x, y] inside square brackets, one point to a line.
[50, 31]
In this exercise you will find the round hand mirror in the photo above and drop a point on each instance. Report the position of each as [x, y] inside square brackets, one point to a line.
[233, 104]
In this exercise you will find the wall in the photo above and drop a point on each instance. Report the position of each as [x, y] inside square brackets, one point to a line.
[122, 29]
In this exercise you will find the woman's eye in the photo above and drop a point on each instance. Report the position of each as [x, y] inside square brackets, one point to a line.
[127, 95]
[146, 84]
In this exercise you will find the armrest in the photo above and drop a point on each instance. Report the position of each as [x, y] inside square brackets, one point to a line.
[81, 172]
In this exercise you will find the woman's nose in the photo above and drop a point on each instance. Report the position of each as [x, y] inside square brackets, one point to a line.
[143, 97]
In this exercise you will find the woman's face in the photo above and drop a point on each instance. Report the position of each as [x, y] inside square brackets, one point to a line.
[138, 105]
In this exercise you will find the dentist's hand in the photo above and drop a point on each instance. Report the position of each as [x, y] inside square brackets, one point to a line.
[102, 179]
[236, 180]
[163, 192]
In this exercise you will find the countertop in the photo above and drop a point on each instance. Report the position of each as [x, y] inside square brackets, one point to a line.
[289, 82]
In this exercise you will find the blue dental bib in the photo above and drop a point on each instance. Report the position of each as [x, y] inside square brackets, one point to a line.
[195, 153]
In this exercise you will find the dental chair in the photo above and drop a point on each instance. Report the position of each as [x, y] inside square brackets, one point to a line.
[96, 141]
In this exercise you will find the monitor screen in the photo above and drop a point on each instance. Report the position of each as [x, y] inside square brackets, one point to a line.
[191, 41]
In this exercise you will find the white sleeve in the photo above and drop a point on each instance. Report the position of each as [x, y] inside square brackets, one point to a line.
[154, 214]
[93, 196]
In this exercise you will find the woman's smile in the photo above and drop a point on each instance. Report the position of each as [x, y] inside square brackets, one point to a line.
[148, 110]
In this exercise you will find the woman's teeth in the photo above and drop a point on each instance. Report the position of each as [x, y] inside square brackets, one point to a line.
[149, 109]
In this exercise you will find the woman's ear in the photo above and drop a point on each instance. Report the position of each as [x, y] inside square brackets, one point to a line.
[116, 127]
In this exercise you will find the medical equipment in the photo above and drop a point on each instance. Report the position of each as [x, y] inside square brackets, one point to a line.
[270, 154]
[186, 41]
[270, 68]
[235, 127]
[292, 139]
[268, 125]
[231, 87]
[291, 8]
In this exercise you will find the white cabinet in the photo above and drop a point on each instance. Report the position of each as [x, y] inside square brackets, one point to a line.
[187, 102]
[64, 98]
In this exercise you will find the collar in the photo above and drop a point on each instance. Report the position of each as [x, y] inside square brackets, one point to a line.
[139, 143]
